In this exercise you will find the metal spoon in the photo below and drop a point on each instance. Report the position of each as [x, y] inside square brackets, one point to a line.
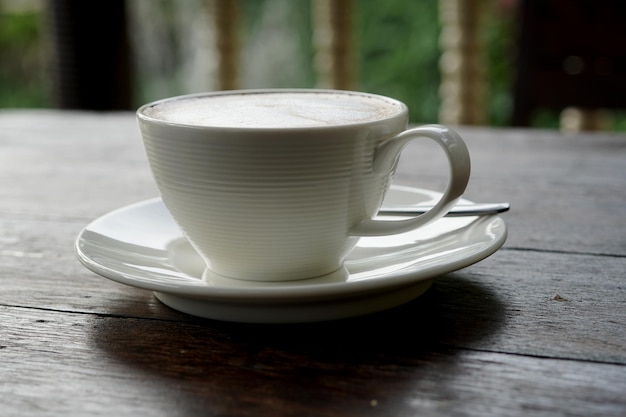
[482, 209]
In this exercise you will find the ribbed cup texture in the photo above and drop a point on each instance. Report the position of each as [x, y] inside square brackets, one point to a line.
[271, 204]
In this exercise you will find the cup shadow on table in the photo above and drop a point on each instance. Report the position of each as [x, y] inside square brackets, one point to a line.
[220, 365]
[456, 312]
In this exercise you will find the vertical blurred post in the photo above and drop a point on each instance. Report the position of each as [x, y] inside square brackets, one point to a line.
[334, 43]
[226, 18]
[91, 62]
[462, 64]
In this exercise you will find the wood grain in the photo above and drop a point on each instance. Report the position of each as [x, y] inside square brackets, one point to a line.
[73, 364]
[536, 329]
[539, 311]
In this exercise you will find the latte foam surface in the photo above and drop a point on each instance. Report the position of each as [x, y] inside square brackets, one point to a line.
[275, 110]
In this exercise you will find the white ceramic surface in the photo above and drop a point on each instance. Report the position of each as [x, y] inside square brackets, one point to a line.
[290, 201]
[141, 246]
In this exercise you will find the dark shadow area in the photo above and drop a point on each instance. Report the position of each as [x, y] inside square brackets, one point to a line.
[455, 312]
[338, 365]
[92, 67]
[570, 54]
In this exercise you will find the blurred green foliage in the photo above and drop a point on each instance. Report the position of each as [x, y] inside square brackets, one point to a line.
[21, 62]
[397, 54]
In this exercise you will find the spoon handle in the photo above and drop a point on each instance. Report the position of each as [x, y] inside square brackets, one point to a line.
[482, 209]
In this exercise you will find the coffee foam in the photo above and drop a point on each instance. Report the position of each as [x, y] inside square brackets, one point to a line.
[275, 110]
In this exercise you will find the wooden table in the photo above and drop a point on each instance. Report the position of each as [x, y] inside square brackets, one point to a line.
[537, 329]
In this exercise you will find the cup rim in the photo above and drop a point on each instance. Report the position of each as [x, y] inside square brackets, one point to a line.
[140, 112]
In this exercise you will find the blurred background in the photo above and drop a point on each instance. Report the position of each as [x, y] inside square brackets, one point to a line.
[473, 62]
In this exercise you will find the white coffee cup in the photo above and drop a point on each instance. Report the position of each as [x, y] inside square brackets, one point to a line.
[277, 185]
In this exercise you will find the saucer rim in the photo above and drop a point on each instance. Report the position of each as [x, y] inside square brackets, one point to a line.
[195, 288]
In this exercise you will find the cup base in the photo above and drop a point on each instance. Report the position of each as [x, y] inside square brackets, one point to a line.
[339, 275]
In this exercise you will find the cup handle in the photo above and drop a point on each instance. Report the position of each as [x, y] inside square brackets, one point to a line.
[386, 156]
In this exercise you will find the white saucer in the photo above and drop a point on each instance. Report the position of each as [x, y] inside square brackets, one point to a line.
[141, 246]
